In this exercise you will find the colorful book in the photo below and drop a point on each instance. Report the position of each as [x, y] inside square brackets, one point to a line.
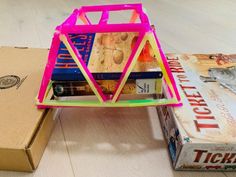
[79, 88]
[105, 55]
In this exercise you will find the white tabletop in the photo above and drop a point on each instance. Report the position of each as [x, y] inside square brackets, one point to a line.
[113, 142]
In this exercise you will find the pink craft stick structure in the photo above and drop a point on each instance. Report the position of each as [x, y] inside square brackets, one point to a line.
[70, 26]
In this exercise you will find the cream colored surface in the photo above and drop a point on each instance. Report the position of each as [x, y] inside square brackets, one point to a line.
[117, 142]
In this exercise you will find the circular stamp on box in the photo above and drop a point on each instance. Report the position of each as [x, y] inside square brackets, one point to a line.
[9, 81]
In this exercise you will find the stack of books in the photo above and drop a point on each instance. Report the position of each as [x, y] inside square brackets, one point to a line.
[105, 55]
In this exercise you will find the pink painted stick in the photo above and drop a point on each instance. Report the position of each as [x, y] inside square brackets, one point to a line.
[114, 7]
[50, 65]
[104, 18]
[109, 28]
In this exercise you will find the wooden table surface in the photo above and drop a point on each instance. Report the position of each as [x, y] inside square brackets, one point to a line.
[117, 142]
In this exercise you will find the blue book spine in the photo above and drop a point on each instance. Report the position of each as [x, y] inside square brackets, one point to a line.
[106, 76]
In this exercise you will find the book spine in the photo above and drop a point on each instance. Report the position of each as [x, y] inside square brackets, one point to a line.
[106, 76]
[77, 88]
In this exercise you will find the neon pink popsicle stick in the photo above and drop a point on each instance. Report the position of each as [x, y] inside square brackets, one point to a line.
[104, 18]
[114, 7]
[71, 20]
[50, 66]
[100, 29]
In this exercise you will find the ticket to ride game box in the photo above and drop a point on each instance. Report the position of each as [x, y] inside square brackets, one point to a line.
[201, 135]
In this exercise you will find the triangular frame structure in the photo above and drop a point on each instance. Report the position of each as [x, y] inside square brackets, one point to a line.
[146, 33]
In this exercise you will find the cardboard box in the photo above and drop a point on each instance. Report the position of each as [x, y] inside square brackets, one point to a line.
[24, 130]
[201, 135]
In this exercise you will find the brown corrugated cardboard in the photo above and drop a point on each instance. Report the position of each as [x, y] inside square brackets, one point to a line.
[24, 130]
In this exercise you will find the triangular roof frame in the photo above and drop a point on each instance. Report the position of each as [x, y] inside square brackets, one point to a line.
[146, 33]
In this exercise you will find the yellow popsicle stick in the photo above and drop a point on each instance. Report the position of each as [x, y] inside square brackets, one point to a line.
[130, 68]
[156, 51]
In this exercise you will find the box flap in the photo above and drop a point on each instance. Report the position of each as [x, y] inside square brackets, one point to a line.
[14, 159]
[40, 140]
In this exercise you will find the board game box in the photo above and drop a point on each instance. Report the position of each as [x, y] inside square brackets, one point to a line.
[201, 135]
